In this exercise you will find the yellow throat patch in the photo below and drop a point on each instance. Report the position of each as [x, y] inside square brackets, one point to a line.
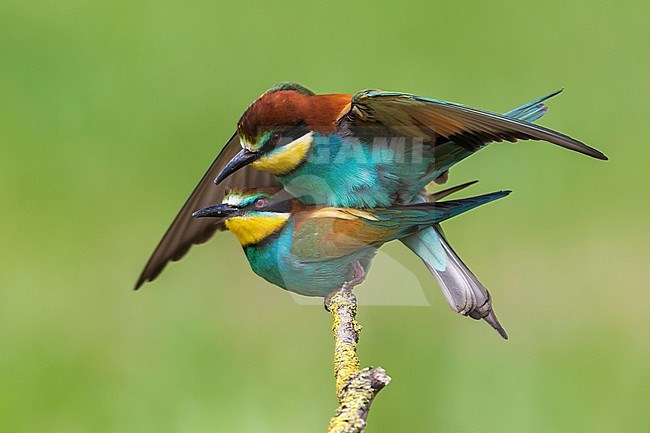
[251, 229]
[286, 158]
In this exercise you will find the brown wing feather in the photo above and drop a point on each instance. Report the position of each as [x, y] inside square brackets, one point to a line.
[331, 233]
[185, 230]
[413, 116]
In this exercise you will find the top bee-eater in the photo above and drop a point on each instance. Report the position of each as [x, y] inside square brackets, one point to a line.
[365, 150]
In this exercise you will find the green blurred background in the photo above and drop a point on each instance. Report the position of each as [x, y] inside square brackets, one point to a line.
[111, 111]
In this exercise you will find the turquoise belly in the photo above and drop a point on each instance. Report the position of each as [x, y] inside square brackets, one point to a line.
[274, 262]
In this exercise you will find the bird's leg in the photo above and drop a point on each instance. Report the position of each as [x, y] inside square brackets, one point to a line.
[357, 278]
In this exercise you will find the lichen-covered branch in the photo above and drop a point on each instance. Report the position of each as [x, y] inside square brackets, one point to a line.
[355, 388]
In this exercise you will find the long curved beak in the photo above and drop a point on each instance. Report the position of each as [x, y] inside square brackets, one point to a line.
[221, 211]
[242, 159]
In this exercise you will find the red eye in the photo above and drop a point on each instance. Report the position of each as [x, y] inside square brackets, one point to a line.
[260, 202]
[275, 138]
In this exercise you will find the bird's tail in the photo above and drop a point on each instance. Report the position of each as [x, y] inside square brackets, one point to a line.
[463, 291]
[533, 110]
[427, 213]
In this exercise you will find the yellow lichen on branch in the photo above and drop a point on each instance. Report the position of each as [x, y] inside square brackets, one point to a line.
[355, 388]
[342, 305]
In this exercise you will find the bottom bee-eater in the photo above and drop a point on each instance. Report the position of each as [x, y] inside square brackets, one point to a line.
[313, 250]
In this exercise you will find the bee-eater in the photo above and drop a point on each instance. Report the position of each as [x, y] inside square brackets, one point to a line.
[317, 166]
[311, 249]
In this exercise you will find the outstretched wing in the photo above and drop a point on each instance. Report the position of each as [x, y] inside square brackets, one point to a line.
[186, 231]
[430, 119]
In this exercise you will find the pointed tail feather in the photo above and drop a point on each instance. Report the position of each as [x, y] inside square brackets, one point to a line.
[466, 291]
[463, 291]
[428, 213]
[533, 110]
[439, 195]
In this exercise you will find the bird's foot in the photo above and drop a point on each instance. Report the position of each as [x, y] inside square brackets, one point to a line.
[357, 278]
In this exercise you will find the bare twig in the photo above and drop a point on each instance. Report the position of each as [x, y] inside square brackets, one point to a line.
[355, 388]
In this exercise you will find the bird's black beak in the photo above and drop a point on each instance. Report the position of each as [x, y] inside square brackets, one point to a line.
[221, 211]
[242, 159]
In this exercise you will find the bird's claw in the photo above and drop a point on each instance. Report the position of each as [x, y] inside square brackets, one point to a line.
[359, 276]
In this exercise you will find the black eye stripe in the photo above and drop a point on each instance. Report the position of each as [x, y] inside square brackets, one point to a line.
[287, 135]
[278, 205]
[271, 204]
[297, 131]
